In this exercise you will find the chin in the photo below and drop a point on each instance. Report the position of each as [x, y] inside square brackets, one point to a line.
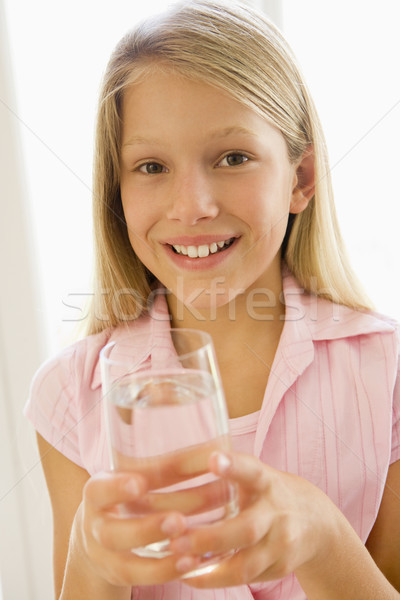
[203, 302]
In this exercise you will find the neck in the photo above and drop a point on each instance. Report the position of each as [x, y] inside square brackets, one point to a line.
[246, 333]
[258, 309]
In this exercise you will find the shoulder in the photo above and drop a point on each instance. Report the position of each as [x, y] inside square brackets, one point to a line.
[57, 396]
[76, 367]
[316, 327]
[59, 389]
[70, 364]
[326, 320]
[64, 403]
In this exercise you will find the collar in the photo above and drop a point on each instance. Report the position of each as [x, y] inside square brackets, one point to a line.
[325, 320]
[307, 319]
[153, 323]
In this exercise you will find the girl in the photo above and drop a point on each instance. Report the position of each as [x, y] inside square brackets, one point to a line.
[213, 210]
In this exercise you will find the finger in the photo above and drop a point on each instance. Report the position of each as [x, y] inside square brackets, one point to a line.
[190, 501]
[105, 490]
[245, 469]
[172, 467]
[245, 566]
[246, 529]
[127, 569]
[261, 562]
[119, 534]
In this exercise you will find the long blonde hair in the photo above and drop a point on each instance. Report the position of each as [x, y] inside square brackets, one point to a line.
[240, 51]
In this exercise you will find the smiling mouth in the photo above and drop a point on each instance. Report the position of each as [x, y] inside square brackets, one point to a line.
[204, 250]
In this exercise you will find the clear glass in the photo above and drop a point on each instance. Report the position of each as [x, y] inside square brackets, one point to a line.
[165, 414]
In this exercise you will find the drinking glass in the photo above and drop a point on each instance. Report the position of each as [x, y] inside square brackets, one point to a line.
[165, 415]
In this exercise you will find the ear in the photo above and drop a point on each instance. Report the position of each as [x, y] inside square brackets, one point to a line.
[303, 182]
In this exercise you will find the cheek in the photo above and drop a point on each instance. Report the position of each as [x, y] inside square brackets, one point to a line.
[267, 210]
[138, 213]
[137, 224]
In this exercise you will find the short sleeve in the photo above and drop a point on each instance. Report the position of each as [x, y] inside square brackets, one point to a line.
[51, 406]
[396, 419]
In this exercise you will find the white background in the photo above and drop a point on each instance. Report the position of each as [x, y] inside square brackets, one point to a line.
[350, 53]
[349, 50]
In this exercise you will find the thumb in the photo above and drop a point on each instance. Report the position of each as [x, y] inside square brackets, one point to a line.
[245, 469]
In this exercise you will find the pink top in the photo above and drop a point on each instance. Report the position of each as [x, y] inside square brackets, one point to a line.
[331, 414]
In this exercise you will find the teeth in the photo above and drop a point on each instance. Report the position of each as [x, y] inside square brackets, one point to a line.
[200, 251]
[203, 251]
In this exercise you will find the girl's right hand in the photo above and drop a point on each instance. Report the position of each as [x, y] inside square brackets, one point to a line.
[106, 538]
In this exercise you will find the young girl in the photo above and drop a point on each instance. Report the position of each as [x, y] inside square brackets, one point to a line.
[213, 210]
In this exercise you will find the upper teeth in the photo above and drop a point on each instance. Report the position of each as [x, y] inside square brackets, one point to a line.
[199, 251]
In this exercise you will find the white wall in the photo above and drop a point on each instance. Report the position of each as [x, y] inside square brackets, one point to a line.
[24, 512]
[349, 52]
[272, 8]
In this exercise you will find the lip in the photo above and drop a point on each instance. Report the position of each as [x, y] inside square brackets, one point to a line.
[199, 264]
[198, 240]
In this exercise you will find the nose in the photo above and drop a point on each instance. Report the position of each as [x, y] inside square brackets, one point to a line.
[192, 199]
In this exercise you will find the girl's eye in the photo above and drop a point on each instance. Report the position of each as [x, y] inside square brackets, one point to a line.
[151, 168]
[234, 159]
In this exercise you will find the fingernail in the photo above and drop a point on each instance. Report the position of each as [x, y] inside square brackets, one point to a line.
[171, 525]
[223, 462]
[132, 487]
[185, 563]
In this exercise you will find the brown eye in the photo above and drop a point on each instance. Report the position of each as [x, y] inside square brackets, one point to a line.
[151, 168]
[234, 159]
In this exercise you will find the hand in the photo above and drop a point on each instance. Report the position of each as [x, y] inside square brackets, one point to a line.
[106, 539]
[285, 522]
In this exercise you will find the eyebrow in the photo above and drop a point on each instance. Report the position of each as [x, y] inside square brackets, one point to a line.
[214, 135]
[227, 131]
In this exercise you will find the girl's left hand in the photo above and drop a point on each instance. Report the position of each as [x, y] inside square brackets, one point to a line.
[284, 523]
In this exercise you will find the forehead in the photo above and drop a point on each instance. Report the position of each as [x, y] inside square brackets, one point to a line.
[160, 83]
[164, 98]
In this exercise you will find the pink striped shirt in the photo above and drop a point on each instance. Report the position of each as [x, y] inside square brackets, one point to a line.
[331, 414]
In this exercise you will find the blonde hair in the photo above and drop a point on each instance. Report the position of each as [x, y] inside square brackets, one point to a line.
[240, 51]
